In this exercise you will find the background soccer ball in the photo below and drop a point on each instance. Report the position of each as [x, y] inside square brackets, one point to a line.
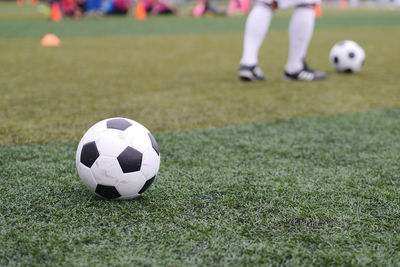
[347, 56]
[117, 158]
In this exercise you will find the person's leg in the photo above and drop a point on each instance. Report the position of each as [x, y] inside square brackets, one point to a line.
[199, 9]
[232, 8]
[301, 28]
[245, 6]
[257, 26]
[107, 6]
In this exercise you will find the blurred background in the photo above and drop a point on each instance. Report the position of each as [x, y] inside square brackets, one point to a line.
[60, 9]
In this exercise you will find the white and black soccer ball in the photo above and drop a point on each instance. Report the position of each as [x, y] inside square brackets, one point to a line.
[117, 158]
[347, 56]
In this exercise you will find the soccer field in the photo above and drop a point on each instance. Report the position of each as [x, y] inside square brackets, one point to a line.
[272, 173]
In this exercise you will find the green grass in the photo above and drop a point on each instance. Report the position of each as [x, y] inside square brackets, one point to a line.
[245, 179]
[175, 82]
[126, 25]
[322, 191]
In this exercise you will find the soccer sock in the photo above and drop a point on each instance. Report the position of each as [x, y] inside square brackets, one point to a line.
[301, 29]
[256, 28]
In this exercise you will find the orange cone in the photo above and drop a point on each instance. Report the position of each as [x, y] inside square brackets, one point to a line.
[343, 4]
[34, 2]
[20, 2]
[140, 11]
[318, 11]
[50, 40]
[55, 14]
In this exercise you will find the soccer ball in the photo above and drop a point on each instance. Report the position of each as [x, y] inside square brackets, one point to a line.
[117, 158]
[347, 56]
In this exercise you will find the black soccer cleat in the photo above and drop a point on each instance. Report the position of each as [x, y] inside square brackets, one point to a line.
[251, 73]
[306, 74]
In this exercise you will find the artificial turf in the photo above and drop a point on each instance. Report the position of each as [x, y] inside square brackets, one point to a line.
[175, 25]
[237, 190]
[181, 81]
[318, 191]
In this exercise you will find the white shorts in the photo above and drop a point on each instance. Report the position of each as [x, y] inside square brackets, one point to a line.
[284, 4]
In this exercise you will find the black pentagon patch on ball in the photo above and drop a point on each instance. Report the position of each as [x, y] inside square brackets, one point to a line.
[351, 55]
[89, 154]
[119, 124]
[336, 60]
[348, 71]
[107, 191]
[147, 184]
[130, 160]
[154, 143]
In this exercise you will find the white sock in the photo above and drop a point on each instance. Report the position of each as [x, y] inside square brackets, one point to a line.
[301, 29]
[256, 28]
